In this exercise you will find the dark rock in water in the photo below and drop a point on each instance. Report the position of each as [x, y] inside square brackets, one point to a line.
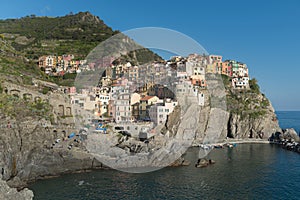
[289, 140]
[211, 161]
[203, 162]
[180, 162]
[291, 134]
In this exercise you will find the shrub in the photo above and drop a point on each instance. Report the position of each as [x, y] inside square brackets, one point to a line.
[254, 86]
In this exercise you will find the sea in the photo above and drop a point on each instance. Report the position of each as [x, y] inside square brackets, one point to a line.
[247, 171]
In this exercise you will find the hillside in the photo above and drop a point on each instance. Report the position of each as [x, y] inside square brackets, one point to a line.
[24, 40]
[74, 34]
[15, 67]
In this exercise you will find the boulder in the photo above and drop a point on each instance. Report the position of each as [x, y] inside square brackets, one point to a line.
[203, 162]
[8, 193]
[291, 134]
[180, 162]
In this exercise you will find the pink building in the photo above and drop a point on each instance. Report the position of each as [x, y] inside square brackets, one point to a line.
[72, 90]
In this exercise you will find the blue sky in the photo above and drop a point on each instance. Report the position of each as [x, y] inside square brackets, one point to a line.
[263, 34]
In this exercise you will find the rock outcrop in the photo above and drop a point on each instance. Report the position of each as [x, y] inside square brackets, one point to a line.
[9, 193]
[260, 127]
[290, 134]
[29, 150]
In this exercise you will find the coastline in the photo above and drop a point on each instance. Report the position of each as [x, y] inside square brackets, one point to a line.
[238, 141]
[231, 141]
[247, 141]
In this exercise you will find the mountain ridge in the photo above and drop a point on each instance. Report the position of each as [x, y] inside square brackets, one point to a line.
[74, 34]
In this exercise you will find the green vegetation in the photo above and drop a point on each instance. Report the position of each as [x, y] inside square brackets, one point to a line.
[45, 90]
[14, 65]
[24, 40]
[65, 80]
[246, 103]
[71, 34]
[140, 56]
[19, 108]
[254, 86]
[226, 81]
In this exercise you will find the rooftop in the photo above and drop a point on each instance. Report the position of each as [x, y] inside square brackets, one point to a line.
[147, 98]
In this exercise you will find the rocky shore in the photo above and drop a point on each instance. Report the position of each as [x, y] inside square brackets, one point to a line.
[8, 193]
[27, 153]
[289, 140]
[30, 151]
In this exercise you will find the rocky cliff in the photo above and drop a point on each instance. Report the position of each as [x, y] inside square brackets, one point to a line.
[244, 114]
[8, 193]
[30, 149]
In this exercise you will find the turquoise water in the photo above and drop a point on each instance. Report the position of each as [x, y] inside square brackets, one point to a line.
[249, 171]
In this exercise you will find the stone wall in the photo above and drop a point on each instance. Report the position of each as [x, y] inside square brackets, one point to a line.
[60, 102]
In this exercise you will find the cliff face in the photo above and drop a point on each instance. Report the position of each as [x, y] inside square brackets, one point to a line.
[27, 152]
[247, 114]
[236, 126]
[261, 127]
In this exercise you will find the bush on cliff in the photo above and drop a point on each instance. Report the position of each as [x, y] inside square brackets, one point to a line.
[254, 86]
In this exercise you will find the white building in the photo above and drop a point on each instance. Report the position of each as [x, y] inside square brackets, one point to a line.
[195, 68]
[240, 83]
[123, 112]
[103, 101]
[189, 68]
[85, 102]
[243, 71]
[184, 87]
[160, 111]
[117, 90]
[182, 75]
[200, 99]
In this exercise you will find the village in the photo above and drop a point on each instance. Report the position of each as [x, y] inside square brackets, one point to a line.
[142, 96]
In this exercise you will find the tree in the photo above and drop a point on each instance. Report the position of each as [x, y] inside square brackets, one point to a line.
[254, 85]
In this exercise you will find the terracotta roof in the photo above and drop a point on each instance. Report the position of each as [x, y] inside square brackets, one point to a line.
[147, 98]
